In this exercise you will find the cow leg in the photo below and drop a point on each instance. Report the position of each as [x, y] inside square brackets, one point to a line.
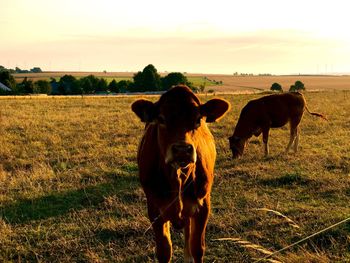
[162, 235]
[293, 134]
[291, 140]
[198, 225]
[163, 242]
[296, 141]
[265, 140]
[187, 255]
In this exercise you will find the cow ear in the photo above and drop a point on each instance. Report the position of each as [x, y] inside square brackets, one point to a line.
[214, 109]
[144, 109]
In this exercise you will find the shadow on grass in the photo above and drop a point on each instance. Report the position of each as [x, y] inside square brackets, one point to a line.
[60, 203]
[289, 179]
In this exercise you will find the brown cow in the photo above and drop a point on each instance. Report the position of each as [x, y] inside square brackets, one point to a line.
[176, 160]
[272, 111]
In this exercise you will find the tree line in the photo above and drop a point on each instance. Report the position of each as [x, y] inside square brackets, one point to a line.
[18, 70]
[147, 80]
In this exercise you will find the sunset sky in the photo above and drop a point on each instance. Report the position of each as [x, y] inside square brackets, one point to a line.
[222, 36]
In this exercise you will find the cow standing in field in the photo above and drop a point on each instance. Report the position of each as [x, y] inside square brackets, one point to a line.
[272, 111]
[176, 160]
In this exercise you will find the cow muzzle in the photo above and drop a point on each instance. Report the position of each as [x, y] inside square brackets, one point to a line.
[181, 154]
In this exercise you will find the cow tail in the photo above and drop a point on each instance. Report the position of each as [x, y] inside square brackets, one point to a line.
[315, 113]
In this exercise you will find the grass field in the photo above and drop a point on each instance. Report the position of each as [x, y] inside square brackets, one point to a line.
[69, 190]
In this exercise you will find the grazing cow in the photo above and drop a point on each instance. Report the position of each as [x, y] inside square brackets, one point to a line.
[272, 111]
[176, 160]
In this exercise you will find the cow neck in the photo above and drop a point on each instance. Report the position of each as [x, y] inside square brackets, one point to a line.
[242, 136]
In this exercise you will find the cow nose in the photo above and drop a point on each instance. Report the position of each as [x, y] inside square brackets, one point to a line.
[181, 154]
[182, 148]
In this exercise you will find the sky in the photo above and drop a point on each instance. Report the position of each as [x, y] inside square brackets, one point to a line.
[221, 36]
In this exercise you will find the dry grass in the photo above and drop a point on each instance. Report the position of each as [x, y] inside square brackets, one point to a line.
[279, 214]
[69, 190]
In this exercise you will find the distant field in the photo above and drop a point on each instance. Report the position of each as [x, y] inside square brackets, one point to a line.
[233, 83]
[230, 83]
[69, 190]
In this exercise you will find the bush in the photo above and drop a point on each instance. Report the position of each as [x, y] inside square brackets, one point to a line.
[276, 87]
[42, 87]
[173, 79]
[297, 86]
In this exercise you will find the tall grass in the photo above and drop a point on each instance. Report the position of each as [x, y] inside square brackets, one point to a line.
[69, 190]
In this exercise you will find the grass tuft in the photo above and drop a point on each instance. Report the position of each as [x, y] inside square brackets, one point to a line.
[279, 214]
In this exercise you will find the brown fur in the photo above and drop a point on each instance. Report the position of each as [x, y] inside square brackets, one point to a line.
[272, 111]
[176, 161]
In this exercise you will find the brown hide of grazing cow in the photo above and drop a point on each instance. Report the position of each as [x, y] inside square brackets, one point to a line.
[272, 111]
[176, 160]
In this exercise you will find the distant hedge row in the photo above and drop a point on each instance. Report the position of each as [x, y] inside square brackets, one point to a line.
[146, 80]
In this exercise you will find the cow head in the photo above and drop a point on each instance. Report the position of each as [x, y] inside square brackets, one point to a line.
[179, 115]
[237, 145]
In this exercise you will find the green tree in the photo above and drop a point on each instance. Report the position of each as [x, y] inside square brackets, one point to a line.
[151, 78]
[86, 86]
[147, 80]
[124, 86]
[172, 79]
[89, 84]
[138, 82]
[276, 87]
[7, 79]
[102, 85]
[27, 86]
[68, 84]
[42, 87]
[113, 86]
[54, 86]
[297, 86]
[36, 70]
